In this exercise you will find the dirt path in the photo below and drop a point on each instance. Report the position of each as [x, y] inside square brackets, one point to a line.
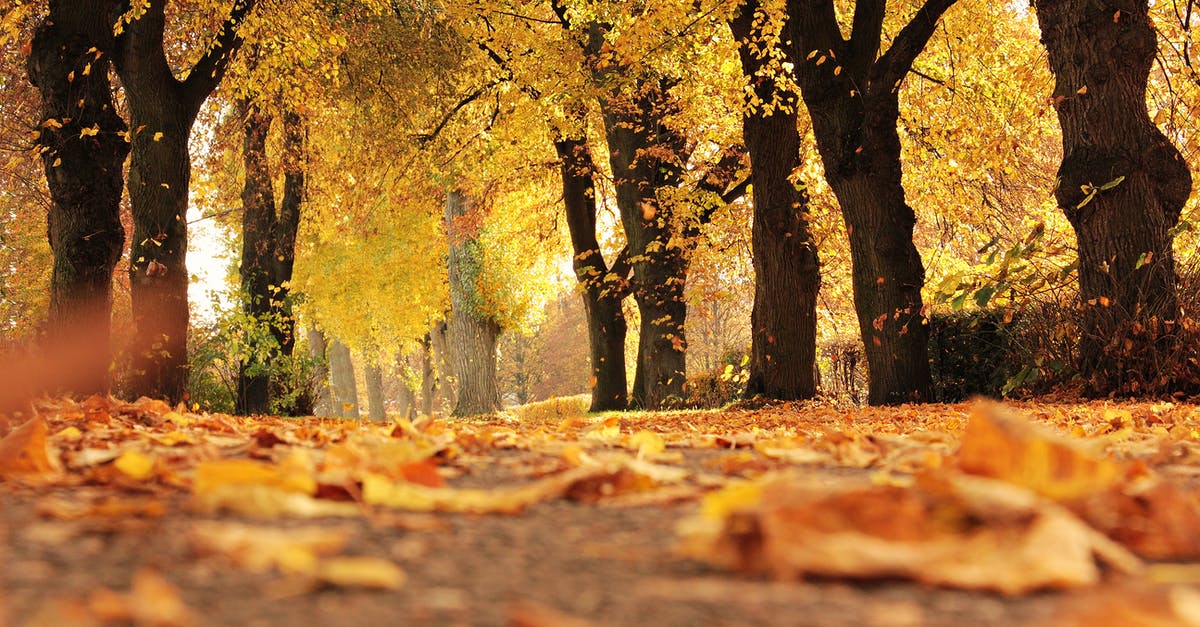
[606, 562]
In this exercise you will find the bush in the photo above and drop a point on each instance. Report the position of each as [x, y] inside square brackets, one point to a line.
[216, 349]
[554, 409]
[971, 353]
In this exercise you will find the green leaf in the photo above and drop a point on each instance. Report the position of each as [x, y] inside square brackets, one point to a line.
[1111, 184]
[984, 295]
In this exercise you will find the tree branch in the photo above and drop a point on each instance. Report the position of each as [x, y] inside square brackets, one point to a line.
[210, 69]
[813, 25]
[425, 138]
[865, 35]
[736, 192]
[892, 67]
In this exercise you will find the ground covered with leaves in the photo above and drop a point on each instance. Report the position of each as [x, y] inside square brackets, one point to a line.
[1028, 513]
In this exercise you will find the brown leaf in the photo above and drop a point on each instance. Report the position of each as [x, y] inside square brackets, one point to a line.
[1001, 445]
[959, 531]
[26, 451]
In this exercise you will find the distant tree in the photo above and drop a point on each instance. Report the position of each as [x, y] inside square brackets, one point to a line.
[344, 384]
[603, 287]
[269, 231]
[473, 332]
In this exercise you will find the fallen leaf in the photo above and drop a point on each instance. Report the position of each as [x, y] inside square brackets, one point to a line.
[135, 465]
[261, 549]
[360, 572]
[26, 451]
[955, 531]
[1002, 445]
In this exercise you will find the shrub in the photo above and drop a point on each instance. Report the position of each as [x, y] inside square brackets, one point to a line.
[971, 353]
[554, 409]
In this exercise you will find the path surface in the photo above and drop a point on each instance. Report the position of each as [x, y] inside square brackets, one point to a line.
[593, 555]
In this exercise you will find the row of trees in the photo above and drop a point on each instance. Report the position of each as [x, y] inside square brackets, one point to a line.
[504, 109]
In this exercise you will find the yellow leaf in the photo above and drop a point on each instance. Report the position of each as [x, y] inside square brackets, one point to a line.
[647, 443]
[158, 136]
[135, 465]
[362, 572]
[177, 419]
[1011, 449]
[70, 433]
[289, 476]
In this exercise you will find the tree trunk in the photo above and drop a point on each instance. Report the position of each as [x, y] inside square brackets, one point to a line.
[268, 248]
[258, 217]
[602, 291]
[639, 147]
[406, 395]
[851, 92]
[445, 384]
[472, 332]
[428, 377]
[1122, 185]
[318, 350]
[376, 408]
[786, 267]
[345, 386]
[82, 144]
[162, 110]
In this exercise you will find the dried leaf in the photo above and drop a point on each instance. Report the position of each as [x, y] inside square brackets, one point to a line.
[26, 451]
[960, 532]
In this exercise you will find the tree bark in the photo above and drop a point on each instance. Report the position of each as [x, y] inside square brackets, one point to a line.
[162, 110]
[786, 266]
[82, 143]
[376, 408]
[851, 92]
[602, 291]
[318, 350]
[1122, 185]
[268, 247]
[345, 386]
[472, 332]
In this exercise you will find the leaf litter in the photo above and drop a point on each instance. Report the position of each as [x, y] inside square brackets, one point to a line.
[1010, 499]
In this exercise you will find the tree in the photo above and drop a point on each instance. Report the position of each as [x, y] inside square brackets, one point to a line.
[1122, 184]
[82, 142]
[269, 232]
[851, 92]
[472, 331]
[162, 110]
[318, 350]
[661, 206]
[602, 288]
[786, 265]
[345, 385]
[376, 410]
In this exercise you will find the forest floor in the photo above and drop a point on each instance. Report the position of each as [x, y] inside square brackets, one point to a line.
[795, 514]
